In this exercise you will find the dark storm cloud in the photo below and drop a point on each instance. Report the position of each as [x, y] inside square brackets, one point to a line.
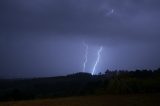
[48, 34]
[138, 18]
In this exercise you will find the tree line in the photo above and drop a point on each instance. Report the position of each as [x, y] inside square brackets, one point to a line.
[81, 84]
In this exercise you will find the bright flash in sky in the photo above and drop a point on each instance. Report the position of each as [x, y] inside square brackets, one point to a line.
[97, 61]
[86, 56]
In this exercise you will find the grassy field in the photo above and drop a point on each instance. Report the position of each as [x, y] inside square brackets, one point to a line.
[107, 100]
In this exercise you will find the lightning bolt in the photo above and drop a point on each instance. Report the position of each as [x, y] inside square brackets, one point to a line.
[98, 58]
[86, 56]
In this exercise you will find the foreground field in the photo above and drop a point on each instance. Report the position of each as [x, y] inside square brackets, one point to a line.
[108, 100]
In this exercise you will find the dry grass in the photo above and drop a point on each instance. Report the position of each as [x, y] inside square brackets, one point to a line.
[107, 100]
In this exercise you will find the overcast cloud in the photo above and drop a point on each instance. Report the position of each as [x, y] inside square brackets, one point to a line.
[44, 37]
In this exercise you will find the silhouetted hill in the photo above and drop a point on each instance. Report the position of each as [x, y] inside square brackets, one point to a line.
[112, 82]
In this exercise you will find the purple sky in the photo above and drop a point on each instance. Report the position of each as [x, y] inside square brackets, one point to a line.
[41, 38]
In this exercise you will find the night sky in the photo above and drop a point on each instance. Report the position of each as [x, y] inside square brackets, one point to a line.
[40, 38]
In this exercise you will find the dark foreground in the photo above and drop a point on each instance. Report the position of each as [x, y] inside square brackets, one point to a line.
[107, 100]
[81, 84]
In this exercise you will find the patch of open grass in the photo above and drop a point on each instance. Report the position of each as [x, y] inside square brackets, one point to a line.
[105, 100]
